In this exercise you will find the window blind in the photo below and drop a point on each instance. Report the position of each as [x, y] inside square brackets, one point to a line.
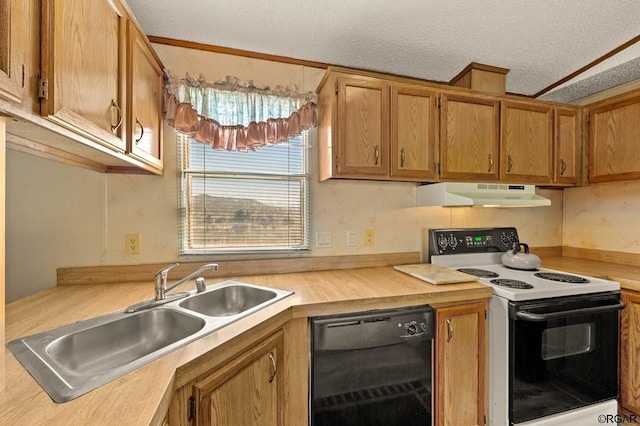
[256, 201]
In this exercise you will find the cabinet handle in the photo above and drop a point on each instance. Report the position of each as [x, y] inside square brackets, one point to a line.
[376, 154]
[449, 330]
[402, 157]
[115, 105]
[490, 163]
[141, 130]
[274, 366]
[509, 163]
[563, 167]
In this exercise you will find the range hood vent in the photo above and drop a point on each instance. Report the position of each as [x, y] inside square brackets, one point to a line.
[457, 194]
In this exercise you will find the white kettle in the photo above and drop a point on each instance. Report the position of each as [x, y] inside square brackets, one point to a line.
[516, 259]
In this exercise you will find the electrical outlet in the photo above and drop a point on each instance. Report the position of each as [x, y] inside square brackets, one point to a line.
[369, 237]
[132, 244]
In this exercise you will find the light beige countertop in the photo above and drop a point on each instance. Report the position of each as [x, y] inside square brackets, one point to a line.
[142, 397]
[628, 276]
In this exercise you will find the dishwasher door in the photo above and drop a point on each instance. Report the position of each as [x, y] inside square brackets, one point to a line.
[372, 368]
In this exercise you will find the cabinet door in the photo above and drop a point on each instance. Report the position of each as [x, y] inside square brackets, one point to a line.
[413, 132]
[460, 365]
[614, 140]
[567, 146]
[247, 391]
[146, 81]
[11, 49]
[363, 127]
[630, 352]
[83, 61]
[526, 153]
[469, 137]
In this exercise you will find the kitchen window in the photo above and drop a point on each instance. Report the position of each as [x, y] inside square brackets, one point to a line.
[239, 202]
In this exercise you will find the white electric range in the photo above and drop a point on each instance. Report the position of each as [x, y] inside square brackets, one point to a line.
[553, 336]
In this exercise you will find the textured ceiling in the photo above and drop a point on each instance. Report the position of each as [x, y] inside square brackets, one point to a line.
[539, 41]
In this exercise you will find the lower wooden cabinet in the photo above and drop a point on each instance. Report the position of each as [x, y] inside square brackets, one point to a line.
[247, 390]
[460, 365]
[630, 352]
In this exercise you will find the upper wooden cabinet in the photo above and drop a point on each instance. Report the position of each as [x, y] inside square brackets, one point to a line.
[567, 165]
[526, 142]
[353, 117]
[371, 128]
[363, 127]
[83, 84]
[469, 137]
[83, 65]
[460, 365]
[614, 139]
[414, 123]
[144, 136]
[12, 49]
[380, 127]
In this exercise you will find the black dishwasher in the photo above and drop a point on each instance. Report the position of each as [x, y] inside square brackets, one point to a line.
[372, 368]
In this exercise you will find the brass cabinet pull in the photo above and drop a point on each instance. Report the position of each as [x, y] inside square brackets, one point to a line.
[376, 153]
[563, 167]
[449, 330]
[274, 366]
[115, 105]
[141, 130]
[402, 157]
[509, 163]
[490, 163]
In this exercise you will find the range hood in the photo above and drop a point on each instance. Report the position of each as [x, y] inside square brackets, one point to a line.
[456, 194]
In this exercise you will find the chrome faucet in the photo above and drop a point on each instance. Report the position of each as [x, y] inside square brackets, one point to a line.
[161, 288]
[161, 278]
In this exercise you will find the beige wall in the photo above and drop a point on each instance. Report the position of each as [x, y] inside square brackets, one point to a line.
[603, 217]
[60, 216]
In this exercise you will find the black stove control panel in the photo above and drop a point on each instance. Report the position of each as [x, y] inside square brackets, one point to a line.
[471, 240]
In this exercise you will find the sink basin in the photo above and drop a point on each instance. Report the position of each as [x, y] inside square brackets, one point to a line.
[71, 360]
[229, 300]
[114, 344]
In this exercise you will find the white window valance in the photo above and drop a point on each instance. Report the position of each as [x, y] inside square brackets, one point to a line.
[237, 115]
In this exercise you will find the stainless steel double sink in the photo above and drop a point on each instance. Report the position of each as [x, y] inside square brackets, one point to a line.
[72, 360]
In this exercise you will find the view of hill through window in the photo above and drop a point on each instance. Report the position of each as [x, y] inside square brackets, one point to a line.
[244, 201]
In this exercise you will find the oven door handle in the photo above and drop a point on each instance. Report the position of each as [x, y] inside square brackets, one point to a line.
[530, 316]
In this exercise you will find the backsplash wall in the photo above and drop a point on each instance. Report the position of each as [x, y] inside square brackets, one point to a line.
[603, 217]
[86, 214]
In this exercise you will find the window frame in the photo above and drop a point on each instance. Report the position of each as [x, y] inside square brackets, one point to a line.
[186, 175]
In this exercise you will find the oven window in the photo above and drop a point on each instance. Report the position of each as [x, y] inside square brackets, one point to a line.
[562, 364]
[567, 340]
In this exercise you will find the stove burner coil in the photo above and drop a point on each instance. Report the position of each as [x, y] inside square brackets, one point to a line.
[512, 283]
[481, 273]
[563, 278]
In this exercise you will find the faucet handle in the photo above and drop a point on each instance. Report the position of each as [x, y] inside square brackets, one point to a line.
[164, 272]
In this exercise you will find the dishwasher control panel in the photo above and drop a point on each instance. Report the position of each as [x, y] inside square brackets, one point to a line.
[373, 328]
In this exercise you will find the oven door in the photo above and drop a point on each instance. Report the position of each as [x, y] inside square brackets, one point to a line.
[563, 354]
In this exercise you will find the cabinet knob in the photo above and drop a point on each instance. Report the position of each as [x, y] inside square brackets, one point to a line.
[490, 162]
[376, 154]
[402, 157]
[509, 163]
